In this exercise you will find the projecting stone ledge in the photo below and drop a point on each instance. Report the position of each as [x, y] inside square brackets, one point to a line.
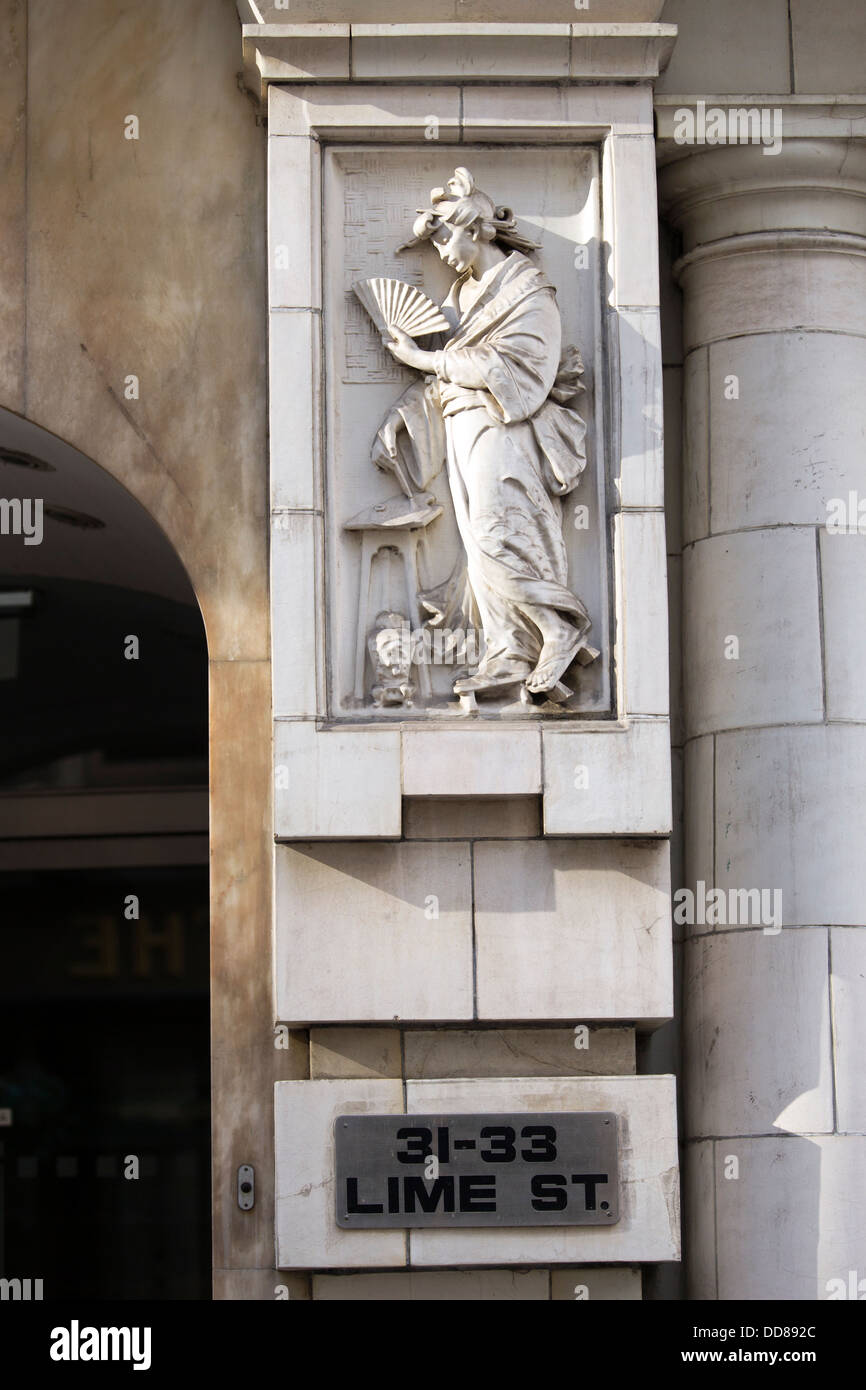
[471, 52]
[270, 13]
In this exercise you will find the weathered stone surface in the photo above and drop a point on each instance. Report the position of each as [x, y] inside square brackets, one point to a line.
[296, 544]
[848, 973]
[337, 1053]
[766, 466]
[138, 263]
[493, 818]
[675, 675]
[381, 112]
[482, 1285]
[577, 931]
[814, 288]
[696, 436]
[553, 111]
[677, 842]
[260, 1286]
[752, 632]
[294, 251]
[636, 249]
[772, 280]
[295, 348]
[739, 48]
[245, 1062]
[335, 785]
[700, 829]
[792, 1202]
[590, 787]
[648, 1228]
[306, 1232]
[796, 841]
[397, 51]
[646, 612]
[443, 11]
[595, 1283]
[451, 1053]
[843, 574]
[492, 762]
[370, 933]
[641, 464]
[699, 1215]
[314, 53]
[13, 230]
[756, 1033]
[828, 44]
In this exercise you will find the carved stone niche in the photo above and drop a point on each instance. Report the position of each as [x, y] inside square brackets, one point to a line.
[363, 543]
[466, 491]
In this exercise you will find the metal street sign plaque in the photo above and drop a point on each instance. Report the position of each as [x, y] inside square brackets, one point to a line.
[477, 1170]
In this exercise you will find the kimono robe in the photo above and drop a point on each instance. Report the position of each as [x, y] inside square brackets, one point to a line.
[496, 412]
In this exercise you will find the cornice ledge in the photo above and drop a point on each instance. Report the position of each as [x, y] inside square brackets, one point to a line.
[454, 52]
[791, 116]
[468, 11]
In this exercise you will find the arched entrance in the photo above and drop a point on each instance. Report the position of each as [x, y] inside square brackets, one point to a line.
[104, 1065]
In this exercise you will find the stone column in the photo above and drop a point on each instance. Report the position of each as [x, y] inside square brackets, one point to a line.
[773, 273]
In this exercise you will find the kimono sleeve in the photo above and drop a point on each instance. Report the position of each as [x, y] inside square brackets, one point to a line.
[410, 442]
[516, 361]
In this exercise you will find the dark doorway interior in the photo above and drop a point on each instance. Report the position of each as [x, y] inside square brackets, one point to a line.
[104, 969]
[104, 1028]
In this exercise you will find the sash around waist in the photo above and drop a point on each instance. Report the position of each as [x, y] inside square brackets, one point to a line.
[457, 398]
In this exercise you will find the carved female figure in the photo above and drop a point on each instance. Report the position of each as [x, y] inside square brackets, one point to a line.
[499, 392]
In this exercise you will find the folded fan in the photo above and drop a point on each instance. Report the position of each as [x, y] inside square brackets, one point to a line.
[396, 304]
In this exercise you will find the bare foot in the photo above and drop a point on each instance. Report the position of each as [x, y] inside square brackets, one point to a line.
[553, 661]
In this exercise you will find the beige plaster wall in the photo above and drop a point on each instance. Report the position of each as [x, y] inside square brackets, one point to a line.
[144, 256]
[147, 256]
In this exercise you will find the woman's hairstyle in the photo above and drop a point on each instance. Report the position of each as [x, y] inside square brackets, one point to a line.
[462, 204]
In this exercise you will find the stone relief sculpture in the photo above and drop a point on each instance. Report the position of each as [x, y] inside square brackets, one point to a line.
[495, 406]
[391, 664]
